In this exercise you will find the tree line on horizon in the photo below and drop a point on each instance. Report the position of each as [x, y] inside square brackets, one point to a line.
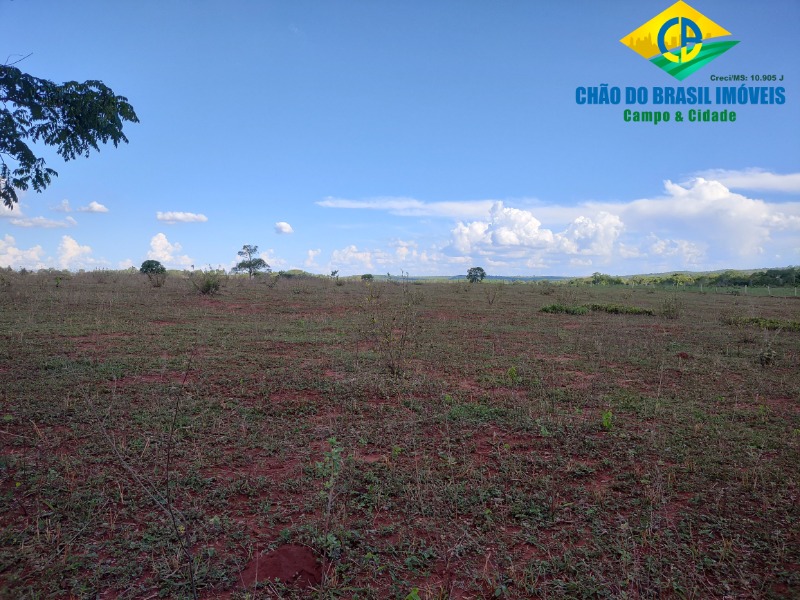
[777, 277]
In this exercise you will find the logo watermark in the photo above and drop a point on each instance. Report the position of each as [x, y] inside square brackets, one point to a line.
[679, 40]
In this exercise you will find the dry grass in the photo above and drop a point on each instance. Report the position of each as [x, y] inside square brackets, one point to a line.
[430, 441]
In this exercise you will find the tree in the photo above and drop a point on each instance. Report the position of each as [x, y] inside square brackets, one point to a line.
[251, 265]
[476, 274]
[74, 117]
[155, 272]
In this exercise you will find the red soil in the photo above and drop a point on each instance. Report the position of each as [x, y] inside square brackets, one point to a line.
[290, 564]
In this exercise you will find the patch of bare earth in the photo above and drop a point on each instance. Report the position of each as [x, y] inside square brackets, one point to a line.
[290, 564]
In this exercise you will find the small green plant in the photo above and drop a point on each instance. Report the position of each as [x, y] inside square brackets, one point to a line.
[331, 464]
[766, 355]
[512, 375]
[155, 271]
[607, 419]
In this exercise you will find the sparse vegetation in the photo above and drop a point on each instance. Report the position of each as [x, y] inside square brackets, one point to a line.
[618, 309]
[377, 439]
[764, 323]
[564, 309]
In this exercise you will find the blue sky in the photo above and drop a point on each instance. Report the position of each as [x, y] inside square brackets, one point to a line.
[427, 136]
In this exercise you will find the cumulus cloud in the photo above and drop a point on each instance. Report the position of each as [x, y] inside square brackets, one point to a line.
[697, 224]
[690, 253]
[410, 207]
[44, 222]
[125, 264]
[703, 223]
[71, 255]
[282, 227]
[274, 261]
[93, 207]
[351, 256]
[515, 232]
[173, 217]
[12, 256]
[62, 207]
[707, 211]
[311, 257]
[167, 253]
[754, 179]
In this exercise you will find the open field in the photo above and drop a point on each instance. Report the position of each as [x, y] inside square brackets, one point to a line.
[442, 440]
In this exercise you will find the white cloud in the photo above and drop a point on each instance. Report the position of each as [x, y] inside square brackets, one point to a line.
[283, 227]
[698, 224]
[351, 256]
[410, 207]
[754, 179]
[690, 253]
[173, 217]
[93, 207]
[516, 232]
[275, 262]
[71, 255]
[311, 257]
[592, 236]
[44, 222]
[164, 252]
[405, 250]
[125, 264]
[11, 256]
[731, 224]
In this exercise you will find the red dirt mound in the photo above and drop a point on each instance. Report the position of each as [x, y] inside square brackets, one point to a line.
[290, 563]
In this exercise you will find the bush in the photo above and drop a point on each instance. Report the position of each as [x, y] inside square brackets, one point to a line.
[207, 282]
[672, 307]
[155, 272]
[618, 309]
[564, 309]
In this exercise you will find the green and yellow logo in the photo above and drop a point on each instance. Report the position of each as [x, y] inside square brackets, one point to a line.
[679, 40]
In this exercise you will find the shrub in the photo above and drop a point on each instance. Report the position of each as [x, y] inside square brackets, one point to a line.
[208, 282]
[155, 272]
[672, 307]
[618, 309]
[564, 309]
